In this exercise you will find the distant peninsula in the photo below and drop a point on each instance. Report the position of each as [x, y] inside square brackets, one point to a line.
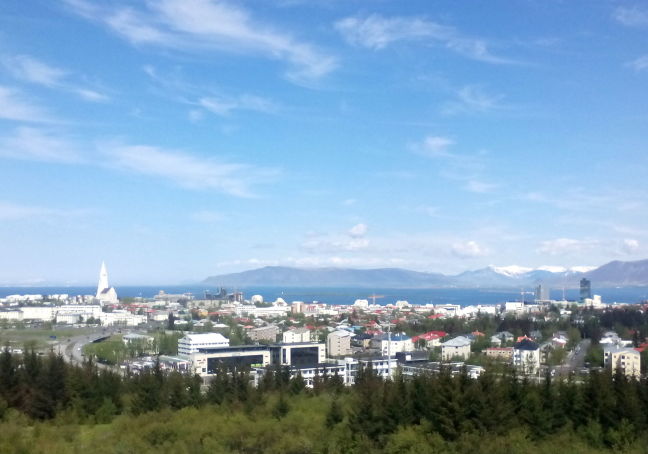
[612, 274]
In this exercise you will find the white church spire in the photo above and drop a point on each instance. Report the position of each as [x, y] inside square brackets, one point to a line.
[103, 280]
[105, 293]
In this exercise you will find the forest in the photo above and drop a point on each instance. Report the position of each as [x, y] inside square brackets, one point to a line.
[47, 405]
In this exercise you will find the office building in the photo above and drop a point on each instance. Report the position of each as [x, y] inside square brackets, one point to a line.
[585, 289]
[338, 343]
[191, 343]
[542, 293]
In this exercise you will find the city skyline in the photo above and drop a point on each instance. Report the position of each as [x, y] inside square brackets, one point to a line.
[185, 138]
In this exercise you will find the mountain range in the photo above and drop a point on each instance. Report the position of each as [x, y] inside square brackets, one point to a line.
[613, 274]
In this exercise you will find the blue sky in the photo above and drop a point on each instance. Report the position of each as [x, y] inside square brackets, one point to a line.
[176, 139]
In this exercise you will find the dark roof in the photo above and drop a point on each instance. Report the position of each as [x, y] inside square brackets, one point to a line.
[526, 344]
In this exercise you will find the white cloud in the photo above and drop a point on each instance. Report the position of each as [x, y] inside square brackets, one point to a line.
[468, 249]
[224, 106]
[12, 212]
[377, 32]
[353, 241]
[480, 187]
[639, 64]
[29, 69]
[17, 212]
[565, 246]
[473, 99]
[434, 147]
[14, 107]
[631, 16]
[29, 143]
[629, 245]
[188, 170]
[349, 202]
[91, 95]
[184, 169]
[200, 25]
[358, 230]
[336, 245]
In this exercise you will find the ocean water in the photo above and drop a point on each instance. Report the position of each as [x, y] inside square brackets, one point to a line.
[463, 297]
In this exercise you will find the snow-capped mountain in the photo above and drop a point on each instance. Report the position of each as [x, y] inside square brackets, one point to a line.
[612, 274]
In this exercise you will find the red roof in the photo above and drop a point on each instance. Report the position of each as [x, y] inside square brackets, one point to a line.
[431, 335]
[642, 347]
[477, 333]
[521, 338]
[435, 316]
[373, 331]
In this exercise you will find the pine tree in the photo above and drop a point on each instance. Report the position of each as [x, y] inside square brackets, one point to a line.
[281, 407]
[334, 414]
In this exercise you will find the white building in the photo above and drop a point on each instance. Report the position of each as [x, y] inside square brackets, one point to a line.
[338, 343]
[448, 310]
[122, 318]
[458, 347]
[526, 356]
[293, 336]
[514, 306]
[42, 313]
[190, 343]
[11, 314]
[68, 318]
[105, 293]
[627, 360]
[399, 343]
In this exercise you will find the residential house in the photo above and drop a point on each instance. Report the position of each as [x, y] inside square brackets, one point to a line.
[526, 356]
[458, 347]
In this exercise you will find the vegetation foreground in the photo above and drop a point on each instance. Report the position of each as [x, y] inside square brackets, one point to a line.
[48, 406]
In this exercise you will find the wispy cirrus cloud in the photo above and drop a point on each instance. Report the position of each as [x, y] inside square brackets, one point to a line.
[224, 106]
[631, 16]
[639, 64]
[184, 169]
[10, 211]
[207, 25]
[208, 99]
[354, 240]
[15, 106]
[463, 168]
[565, 246]
[188, 170]
[473, 99]
[480, 187]
[35, 144]
[29, 69]
[434, 147]
[377, 32]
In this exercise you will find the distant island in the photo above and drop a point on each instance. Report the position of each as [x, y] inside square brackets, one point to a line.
[612, 274]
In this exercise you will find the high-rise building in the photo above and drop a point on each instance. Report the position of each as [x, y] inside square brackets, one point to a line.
[585, 289]
[542, 293]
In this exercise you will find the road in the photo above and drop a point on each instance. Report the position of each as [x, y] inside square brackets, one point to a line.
[575, 359]
[72, 347]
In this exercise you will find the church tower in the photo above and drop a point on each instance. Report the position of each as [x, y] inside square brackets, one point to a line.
[105, 293]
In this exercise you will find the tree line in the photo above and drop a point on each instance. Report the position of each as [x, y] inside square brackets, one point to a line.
[426, 413]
